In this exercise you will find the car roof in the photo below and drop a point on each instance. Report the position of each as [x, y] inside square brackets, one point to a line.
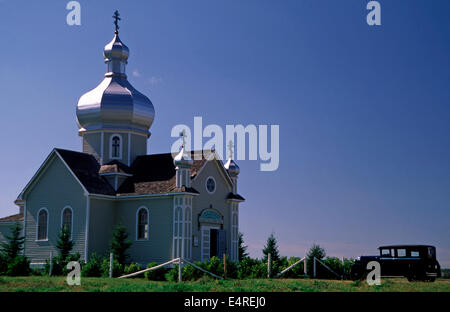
[404, 246]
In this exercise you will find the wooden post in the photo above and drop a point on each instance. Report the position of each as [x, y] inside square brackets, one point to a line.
[268, 265]
[111, 261]
[304, 266]
[51, 264]
[180, 270]
[225, 266]
[314, 267]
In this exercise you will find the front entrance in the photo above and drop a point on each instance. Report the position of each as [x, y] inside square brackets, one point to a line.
[214, 242]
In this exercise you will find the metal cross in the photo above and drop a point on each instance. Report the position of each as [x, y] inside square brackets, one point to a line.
[184, 136]
[116, 19]
[230, 148]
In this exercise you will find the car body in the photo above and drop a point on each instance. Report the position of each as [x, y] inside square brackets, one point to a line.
[415, 262]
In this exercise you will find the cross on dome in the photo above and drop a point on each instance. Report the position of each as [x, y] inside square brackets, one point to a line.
[183, 136]
[116, 20]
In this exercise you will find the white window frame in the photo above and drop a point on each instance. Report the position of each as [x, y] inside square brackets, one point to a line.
[71, 219]
[206, 184]
[37, 225]
[178, 235]
[137, 224]
[188, 233]
[111, 146]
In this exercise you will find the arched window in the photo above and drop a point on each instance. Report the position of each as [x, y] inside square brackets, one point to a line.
[142, 223]
[67, 219]
[116, 146]
[42, 224]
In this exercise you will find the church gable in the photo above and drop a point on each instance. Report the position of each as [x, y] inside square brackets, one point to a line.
[212, 169]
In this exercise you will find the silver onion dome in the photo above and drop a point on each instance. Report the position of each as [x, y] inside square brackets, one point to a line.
[115, 103]
[232, 167]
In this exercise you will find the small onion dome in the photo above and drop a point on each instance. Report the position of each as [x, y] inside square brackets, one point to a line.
[183, 159]
[116, 50]
[115, 104]
[232, 167]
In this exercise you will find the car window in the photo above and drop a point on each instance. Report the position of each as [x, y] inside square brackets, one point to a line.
[414, 253]
[385, 252]
[401, 252]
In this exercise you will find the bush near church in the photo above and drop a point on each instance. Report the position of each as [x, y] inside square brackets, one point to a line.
[12, 263]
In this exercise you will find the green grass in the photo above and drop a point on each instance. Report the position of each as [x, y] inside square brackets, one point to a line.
[58, 284]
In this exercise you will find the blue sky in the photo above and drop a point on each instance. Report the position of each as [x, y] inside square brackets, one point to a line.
[363, 111]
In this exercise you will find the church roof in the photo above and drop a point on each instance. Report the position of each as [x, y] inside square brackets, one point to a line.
[151, 174]
[16, 217]
[155, 174]
[86, 169]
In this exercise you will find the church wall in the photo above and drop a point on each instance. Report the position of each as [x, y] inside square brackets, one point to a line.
[139, 144]
[205, 200]
[101, 224]
[158, 247]
[56, 189]
[91, 144]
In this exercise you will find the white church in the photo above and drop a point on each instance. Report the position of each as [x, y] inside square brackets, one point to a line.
[170, 206]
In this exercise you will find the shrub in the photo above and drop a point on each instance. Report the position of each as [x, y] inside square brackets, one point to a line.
[295, 272]
[172, 274]
[93, 268]
[3, 264]
[156, 275]
[64, 243]
[19, 266]
[120, 243]
[131, 268]
[118, 268]
[59, 264]
[252, 268]
[232, 269]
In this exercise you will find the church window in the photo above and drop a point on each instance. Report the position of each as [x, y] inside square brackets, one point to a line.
[42, 230]
[67, 219]
[142, 224]
[210, 185]
[187, 233]
[116, 146]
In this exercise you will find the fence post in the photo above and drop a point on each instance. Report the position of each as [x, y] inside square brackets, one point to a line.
[314, 267]
[111, 265]
[180, 270]
[269, 260]
[224, 266]
[304, 266]
[51, 264]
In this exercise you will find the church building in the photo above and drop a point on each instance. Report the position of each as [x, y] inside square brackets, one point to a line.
[182, 206]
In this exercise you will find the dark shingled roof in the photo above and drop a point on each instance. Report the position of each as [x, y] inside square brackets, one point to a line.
[86, 168]
[151, 174]
[115, 167]
[235, 196]
[155, 174]
[16, 217]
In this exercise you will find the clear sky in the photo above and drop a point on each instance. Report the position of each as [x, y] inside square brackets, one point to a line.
[364, 112]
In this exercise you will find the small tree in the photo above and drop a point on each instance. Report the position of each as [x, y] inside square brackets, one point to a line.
[242, 248]
[64, 243]
[15, 243]
[317, 252]
[120, 243]
[272, 249]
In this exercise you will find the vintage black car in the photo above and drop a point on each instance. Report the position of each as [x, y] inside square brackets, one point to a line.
[415, 262]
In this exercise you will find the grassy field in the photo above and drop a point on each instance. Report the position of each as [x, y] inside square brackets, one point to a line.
[58, 284]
